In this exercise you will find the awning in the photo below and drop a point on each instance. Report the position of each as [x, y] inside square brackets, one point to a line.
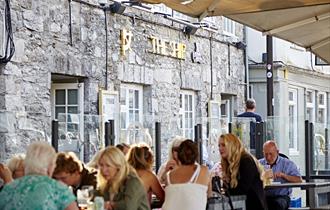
[303, 22]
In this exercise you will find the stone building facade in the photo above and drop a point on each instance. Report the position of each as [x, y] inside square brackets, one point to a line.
[60, 66]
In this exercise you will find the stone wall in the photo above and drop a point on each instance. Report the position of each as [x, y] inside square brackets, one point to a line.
[44, 47]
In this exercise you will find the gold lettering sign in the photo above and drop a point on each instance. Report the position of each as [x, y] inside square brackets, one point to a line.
[125, 41]
[168, 48]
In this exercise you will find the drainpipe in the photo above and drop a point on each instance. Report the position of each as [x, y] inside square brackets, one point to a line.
[246, 63]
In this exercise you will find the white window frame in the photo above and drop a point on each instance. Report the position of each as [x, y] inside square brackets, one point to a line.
[228, 26]
[80, 88]
[322, 106]
[183, 111]
[124, 108]
[311, 105]
[293, 150]
[227, 115]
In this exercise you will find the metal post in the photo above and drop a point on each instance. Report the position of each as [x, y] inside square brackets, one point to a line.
[107, 134]
[269, 76]
[259, 140]
[55, 134]
[112, 132]
[200, 143]
[326, 153]
[308, 157]
[158, 145]
[230, 127]
[197, 140]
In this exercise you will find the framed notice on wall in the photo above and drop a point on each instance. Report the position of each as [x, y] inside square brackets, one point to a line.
[108, 109]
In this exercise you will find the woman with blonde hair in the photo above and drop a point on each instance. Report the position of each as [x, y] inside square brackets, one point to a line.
[142, 159]
[119, 183]
[172, 160]
[37, 190]
[16, 165]
[241, 172]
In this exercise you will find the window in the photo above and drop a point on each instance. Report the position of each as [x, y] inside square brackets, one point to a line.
[161, 8]
[228, 26]
[293, 120]
[310, 104]
[225, 110]
[187, 113]
[131, 107]
[67, 108]
[322, 108]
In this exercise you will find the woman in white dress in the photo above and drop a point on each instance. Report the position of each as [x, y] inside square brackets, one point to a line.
[186, 185]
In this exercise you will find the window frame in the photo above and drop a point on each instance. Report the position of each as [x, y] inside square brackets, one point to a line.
[310, 105]
[294, 103]
[182, 113]
[125, 108]
[226, 22]
[322, 106]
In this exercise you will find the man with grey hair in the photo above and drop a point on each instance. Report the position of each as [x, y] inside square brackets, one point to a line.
[250, 108]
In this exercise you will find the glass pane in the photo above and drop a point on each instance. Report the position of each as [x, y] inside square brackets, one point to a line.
[72, 96]
[137, 118]
[181, 101]
[122, 96]
[309, 114]
[136, 97]
[320, 116]
[130, 99]
[59, 110]
[321, 99]
[130, 116]
[72, 127]
[123, 120]
[60, 97]
[186, 103]
[309, 97]
[73, 109]
[190, 103]
[290, 96]
[73, 118]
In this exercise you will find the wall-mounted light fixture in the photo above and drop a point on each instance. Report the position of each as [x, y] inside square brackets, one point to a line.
[117, 8]
[189, 30]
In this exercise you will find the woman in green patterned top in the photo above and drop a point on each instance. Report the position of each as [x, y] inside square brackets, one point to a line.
[119, 183]
[37, 190]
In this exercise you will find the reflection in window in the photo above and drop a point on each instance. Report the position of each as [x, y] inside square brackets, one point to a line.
[322, 108]
[310, 105]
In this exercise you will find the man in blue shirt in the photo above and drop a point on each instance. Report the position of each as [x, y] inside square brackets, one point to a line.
[282, 170]
[250, 108]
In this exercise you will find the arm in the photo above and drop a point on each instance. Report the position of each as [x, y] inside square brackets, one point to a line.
[156, 188]
[293, 179]
[290, 172]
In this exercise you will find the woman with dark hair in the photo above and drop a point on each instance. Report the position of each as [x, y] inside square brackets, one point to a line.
[241, 172]
[187, 184]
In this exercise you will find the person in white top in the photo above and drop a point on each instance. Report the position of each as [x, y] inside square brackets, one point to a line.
[187, 184]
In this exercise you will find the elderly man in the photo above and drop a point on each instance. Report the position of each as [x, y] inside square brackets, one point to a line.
[282, 170]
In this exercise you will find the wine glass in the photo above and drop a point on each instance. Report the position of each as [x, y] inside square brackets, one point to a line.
[87, 192]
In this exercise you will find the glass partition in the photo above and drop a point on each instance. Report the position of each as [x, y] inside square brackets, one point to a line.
[320, 150]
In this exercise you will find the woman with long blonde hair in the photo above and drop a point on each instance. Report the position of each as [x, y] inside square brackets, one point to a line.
[241, 172]
[119, 183]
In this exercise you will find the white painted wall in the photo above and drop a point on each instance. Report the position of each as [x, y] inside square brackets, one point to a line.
[284, 51]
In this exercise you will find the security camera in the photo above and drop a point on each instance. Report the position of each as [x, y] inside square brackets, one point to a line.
[103, 2]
